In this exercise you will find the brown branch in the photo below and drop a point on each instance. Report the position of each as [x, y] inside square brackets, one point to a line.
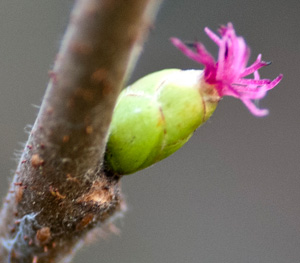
[59, 192]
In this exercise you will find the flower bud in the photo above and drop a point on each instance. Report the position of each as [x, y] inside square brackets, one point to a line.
[156, 116]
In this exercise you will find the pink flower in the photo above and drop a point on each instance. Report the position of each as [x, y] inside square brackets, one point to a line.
[229, 72]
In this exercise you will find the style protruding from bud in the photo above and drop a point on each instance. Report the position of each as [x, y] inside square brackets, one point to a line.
[228, 73]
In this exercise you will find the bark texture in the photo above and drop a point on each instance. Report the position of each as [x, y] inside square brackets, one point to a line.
[60, 193]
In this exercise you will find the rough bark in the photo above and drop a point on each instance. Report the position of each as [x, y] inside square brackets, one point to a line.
[59, 192]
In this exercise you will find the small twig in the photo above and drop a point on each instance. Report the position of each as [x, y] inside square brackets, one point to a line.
[59, 192]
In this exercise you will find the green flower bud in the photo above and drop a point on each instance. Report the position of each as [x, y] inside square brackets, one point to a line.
[156, 116]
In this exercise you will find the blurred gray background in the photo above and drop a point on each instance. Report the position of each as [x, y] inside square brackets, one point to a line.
[232, 194]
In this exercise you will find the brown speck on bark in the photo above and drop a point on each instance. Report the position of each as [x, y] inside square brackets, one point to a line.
[29, 146]
[52, 191]
[87, 94]
[89, 129]
[82, 49]
[36, 161]
[60, 196]
[13, 230]
[43, 235]
[56, 193]
[99, 193]
[49, 111]
[13, 254]
[107, 88]
[66, 138]
[19, 194]
[53, 76]
[84, 222]
[72, 179]
[99, 75]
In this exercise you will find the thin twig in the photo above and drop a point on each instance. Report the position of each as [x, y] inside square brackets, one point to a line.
[59, 192]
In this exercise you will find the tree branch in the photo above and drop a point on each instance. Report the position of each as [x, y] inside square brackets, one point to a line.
[59, 192]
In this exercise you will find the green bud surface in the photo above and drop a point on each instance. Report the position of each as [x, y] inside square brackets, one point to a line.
[156, 116]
